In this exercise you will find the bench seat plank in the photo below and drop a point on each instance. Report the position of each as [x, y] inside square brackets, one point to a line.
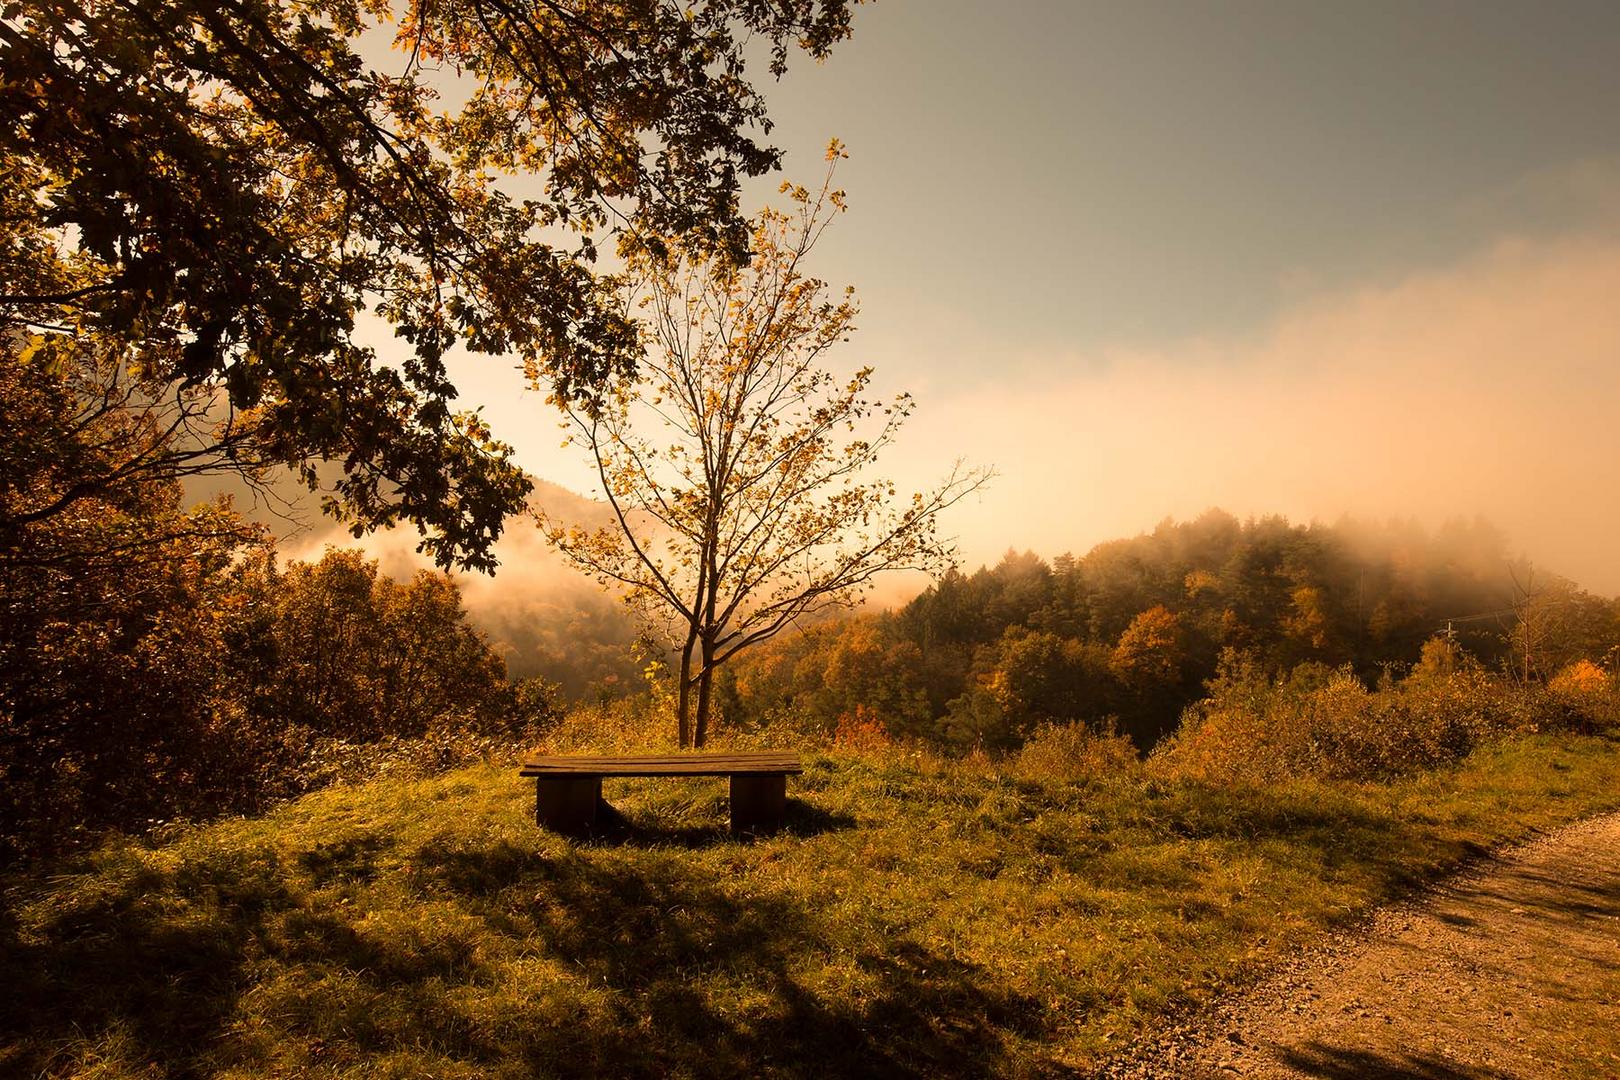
[665, 765]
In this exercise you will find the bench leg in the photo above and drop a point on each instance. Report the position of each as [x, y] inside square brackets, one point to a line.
[567, 804]
[758, 802]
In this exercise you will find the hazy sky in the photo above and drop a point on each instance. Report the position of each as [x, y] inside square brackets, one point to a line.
[1305, 258]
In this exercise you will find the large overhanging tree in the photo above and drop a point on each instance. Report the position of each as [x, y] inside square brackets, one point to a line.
[199, 196]
[736, 467]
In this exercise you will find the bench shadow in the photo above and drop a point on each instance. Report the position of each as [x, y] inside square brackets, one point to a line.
[615, 828]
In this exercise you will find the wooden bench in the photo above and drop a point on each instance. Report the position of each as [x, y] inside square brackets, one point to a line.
[568, 790]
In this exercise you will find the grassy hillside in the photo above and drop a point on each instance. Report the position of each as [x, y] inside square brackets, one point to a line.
[920, 916]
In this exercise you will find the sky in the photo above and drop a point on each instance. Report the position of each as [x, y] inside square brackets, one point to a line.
[1147, 258]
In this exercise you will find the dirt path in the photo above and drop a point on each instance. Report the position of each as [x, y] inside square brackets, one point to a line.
[1510, 970]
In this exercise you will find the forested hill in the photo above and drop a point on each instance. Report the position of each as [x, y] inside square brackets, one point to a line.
[1346, 593]
[1134, 628]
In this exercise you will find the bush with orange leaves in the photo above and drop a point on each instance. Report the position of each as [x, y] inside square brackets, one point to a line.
[1581, 677]
[1590, 695]
[861, 729]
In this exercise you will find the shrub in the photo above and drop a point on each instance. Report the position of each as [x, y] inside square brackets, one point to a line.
[1234, 733]
[861, 729]
[638, 723]
[190, 682]
[1588, 694]
[1251, 728]
[1064, 752]
[115, 708]
[1581, 677]
[354, 654]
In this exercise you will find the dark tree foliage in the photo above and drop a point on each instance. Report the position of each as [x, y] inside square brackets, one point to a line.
[338, 648]
[109, 640]
[203, 194]
[153, 663]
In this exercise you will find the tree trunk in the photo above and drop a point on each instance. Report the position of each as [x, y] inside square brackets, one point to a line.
[683, 710]
[705, 686]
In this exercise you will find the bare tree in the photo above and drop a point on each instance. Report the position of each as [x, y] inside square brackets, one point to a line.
[735, 466]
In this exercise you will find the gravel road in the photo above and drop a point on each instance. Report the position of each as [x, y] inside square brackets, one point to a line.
[1510, 970]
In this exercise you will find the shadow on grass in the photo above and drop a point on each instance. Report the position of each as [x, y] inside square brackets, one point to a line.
[119, 957]
[1343, 1063]
[801, 819]
[350, 859]
[598, 959]
[718, 977]
[1329, 834]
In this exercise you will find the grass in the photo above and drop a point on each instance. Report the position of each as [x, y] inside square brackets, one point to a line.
[918, 917]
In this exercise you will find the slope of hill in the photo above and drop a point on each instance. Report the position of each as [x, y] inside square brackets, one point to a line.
[919, 917]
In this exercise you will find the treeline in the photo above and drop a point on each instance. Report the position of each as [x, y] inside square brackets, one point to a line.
[201, 679]
[1132, 632]
[156, 661]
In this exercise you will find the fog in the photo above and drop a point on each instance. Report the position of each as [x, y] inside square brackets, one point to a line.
[1490, 387]
[545, 617]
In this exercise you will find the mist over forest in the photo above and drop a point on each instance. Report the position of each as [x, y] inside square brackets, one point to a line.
[1132, 629]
